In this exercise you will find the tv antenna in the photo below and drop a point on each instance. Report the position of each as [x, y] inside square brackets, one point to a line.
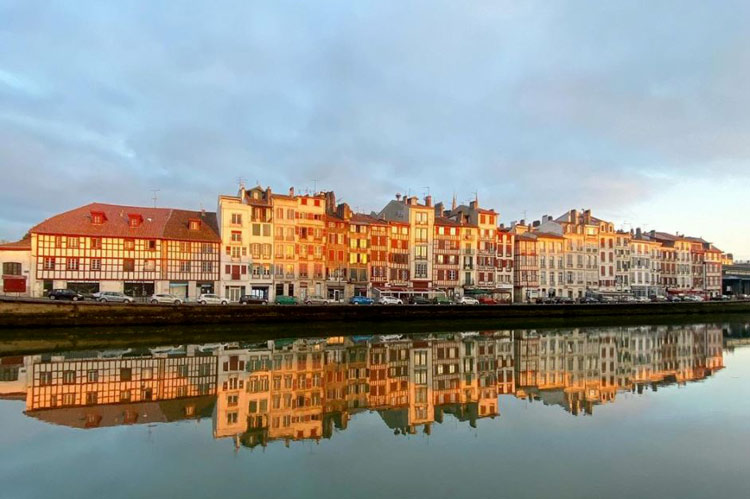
[241, 182]
[315, 186]
[154, 197]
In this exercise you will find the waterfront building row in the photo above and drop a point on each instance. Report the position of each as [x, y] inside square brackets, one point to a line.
[269, 244]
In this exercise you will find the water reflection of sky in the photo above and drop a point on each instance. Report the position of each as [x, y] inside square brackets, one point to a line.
[682, 441]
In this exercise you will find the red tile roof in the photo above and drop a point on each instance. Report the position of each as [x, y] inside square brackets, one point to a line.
[157, 223]
[22, 245]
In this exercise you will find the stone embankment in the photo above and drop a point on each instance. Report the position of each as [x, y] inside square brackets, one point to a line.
[43, 313]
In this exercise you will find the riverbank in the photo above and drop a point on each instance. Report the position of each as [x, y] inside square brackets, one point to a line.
[47, 314]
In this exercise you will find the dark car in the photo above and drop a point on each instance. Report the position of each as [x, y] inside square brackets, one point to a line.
[419, 300]
[565, 300]
[487, 300]
[589, 299]
[252, 300]
[65, 294]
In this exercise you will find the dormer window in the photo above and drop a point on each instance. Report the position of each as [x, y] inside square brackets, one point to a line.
[134, 220]
[194, 224]
[98, 217]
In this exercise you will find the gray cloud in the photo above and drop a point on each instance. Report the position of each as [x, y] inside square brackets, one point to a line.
[538, 106]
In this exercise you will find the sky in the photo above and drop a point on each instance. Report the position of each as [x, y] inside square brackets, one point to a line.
[637, 110]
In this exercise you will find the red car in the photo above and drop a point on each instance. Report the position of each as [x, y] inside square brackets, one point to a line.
[486, 300]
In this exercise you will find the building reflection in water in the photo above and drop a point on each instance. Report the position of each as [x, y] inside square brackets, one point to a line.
[295, 389]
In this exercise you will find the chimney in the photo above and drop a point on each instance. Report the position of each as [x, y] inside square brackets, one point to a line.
[573, 216]
[473, 205]
[638, 233]
[536, 223]
[291, 191]
[398, 196]
[428, 201]
[439, 208]
[453, 204]
[502, 226]
[268, 193]
[522, 222]
[330, 201]
[587, 216]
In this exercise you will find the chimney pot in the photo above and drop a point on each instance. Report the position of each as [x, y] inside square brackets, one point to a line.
[428, 201]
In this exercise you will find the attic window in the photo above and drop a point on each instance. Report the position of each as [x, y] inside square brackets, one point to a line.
[194, 224]
[134, 220]
[98, 217]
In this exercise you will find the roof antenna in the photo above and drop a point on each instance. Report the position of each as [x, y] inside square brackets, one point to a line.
[315, 186]
[154, 197]
[241, 182]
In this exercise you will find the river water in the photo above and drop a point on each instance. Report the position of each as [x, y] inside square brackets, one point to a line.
[652, 411]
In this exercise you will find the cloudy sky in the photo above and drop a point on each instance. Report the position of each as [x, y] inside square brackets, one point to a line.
[637, 110]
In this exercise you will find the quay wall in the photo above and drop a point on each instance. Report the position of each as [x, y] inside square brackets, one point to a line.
[48, 314]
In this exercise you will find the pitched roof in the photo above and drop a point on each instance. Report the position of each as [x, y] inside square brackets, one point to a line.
[447, 221]
[156, 223]
[21, 245]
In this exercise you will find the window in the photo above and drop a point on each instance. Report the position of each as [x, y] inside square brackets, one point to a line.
[194, 225]
[91, 398]
[73, 242]
[129, 244]
[72, 264]
[45, 378]
[96, 264]
[69, 377]
[92, 376]
[149, 265]
[151, 244]
[128, 265]
[134, 220]
[236, 218]
[236, 236]
[49, 263]
[11, 268]
[126, 374]
[185, 266]
[96, 243]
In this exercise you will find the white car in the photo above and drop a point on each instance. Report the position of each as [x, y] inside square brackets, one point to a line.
[112, 296]
[467, 300]
[164, 298]
[317, 300]
[210, 298]
[695, 298]
[390, 300]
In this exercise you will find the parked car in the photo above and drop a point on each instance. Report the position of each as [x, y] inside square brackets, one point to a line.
[642, 299]
[565, 300]
[286, 300]
[419, 300]
[314, 299]
[627, 299]
[674, 298]
[693, 298]
[487, 300]
[65, 294]
[164, 298]
[210, 298]
[658, 298]
[467, 300]
[606, 299]
[252, 300]
[361, 300]
[588, 300]
[112, 296]
[442, 300]
[390, 300]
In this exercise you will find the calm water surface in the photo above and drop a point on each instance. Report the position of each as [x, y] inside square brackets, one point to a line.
[606, 412]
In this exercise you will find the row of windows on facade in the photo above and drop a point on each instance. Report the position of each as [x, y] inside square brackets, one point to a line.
[123, 265]
[127, 244]
[71, 376]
